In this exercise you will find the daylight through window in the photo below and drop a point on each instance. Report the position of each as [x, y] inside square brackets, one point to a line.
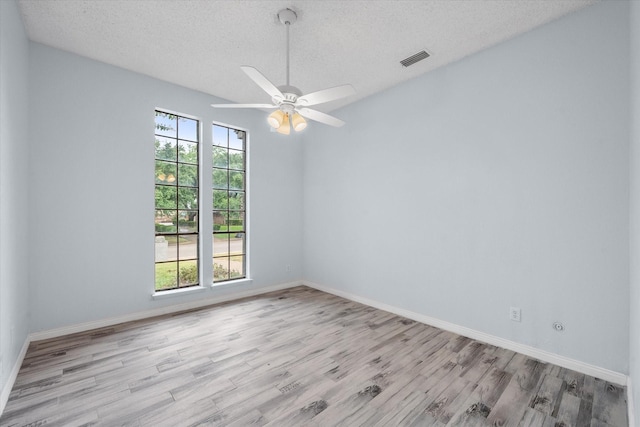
[176, 201]
[229, 203]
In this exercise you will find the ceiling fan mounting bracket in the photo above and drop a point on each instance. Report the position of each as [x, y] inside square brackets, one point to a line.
[290, 92]
[287, 16]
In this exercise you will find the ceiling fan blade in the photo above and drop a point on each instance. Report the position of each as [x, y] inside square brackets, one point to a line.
[319, 116]
[244, 106]
[263, 82]
[326, 95]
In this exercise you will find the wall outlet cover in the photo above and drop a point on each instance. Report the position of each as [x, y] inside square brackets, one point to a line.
[515, 314]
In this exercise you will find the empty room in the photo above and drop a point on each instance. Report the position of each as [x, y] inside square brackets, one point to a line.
[320, 213]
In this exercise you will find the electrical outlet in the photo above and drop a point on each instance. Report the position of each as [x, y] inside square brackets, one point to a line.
[288, 268]
[514, 314]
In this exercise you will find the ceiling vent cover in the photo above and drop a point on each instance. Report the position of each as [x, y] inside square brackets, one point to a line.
[414, 58]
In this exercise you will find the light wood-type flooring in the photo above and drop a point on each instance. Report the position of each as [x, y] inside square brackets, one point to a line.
[298, 357]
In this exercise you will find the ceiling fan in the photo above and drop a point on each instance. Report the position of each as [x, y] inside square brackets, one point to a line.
[290, 104]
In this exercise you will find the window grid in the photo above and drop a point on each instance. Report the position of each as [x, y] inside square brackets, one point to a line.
[176, 201]
[229, 203]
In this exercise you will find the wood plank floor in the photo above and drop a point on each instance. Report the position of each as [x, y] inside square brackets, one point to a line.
[298, 357]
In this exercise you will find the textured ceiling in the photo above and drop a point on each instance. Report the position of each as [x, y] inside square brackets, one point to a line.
[201, 44]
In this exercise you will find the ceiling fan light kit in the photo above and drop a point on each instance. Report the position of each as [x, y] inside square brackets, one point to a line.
[291, 105]
[284, 128]
[275, 119]
[298, 122]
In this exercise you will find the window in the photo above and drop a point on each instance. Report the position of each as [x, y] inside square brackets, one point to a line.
[229, 203]
[176, 201]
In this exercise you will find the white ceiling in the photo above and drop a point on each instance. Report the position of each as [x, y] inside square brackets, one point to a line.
[201, 44]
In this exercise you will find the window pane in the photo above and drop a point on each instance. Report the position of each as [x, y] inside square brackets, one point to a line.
[236, 200]
[220, 269]
[165, 173]
[188, 198]
[188, 175]
[187, 246]
[236, 221]
[188, 273]
[166, 275]
[220, 199]
[236, 266]
[220, 178]
[166, 197]
[220, 157]
[165, 148]
[236, 159]
[171, 251]
[188, 221]
[188, 152]
[162, 249]
[220, 221]
[166, 124]
[188, 129]
[220, 244]
[236, 180]
[165, 221]
[236, 139]
[236, 243]
[220, 136]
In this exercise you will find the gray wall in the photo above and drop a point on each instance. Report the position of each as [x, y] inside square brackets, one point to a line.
[14, 176]
[500, 180]
[634, 321]
[92, 204]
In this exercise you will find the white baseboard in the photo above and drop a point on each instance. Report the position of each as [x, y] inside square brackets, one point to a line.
[6, 390]
[631, 413]
[95, 324]
[545, 356]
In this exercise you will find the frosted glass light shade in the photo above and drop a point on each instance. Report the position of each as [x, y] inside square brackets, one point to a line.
[298, 122]
[276, 118]
[284, 127]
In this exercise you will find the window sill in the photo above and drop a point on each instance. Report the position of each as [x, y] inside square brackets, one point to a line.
[177, 292]
[231, 283]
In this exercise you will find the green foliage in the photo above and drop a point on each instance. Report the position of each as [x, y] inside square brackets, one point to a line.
[167, 274]
[220, 157]
[163, 127]
[162, 228]
[221, 273]
[189, 274]
[236, 160]
[166, 197]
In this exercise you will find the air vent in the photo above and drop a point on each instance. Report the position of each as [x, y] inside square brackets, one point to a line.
[414, 58]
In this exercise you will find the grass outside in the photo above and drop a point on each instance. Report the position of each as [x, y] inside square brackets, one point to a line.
[167, 273]
[234, 229]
